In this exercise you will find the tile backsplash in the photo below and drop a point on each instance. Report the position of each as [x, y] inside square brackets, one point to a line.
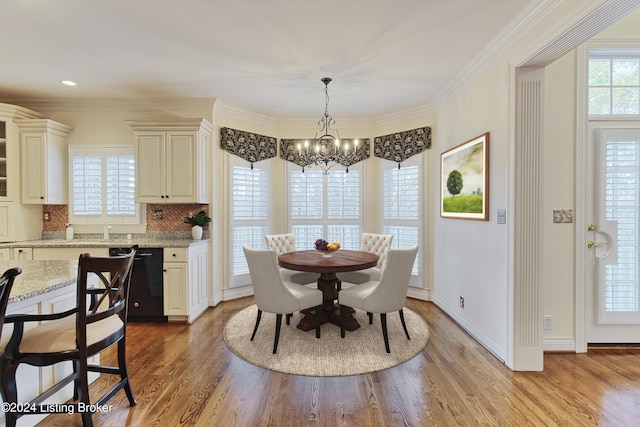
[160, 218]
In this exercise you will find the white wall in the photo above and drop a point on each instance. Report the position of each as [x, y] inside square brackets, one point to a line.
[470, 256]
[558, 258]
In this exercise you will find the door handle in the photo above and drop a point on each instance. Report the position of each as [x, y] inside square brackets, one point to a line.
[592, 244]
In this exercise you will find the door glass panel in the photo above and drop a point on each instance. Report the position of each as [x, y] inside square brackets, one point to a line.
[616, 235]
[621, 205]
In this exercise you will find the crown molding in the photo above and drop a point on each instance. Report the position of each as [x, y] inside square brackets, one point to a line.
[562, 38]
[401, 117]
[18, 111]
[116, 104]
[223, 111]
[528, 17]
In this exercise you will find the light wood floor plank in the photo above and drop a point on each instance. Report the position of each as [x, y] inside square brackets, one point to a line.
[185, 375]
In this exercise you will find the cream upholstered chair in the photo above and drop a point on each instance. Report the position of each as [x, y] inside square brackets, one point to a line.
[281, 244]
[383, 296]
[378, 244]
[96, 322]
[274, 295]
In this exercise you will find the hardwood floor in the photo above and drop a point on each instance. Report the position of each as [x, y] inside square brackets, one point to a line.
[185, 375]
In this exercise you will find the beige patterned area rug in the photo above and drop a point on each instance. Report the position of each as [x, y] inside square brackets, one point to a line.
[300, 353]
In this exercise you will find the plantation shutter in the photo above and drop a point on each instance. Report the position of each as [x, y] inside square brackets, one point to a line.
[401, 207]
[86, 177]
[249, 215]
[325, 206]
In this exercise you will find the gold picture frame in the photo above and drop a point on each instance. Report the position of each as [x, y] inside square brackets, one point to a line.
[464, 180]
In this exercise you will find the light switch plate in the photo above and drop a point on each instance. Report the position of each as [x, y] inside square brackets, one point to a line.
[502, 216]
[563, 216]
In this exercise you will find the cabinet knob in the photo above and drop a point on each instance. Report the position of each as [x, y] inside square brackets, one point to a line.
[135, 304]
[167, 196]
[162, 197]
[20, 251]
[174, 255]
[41, 197]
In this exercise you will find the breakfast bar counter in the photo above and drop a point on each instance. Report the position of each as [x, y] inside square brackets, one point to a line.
[101, 243]
[39, 277]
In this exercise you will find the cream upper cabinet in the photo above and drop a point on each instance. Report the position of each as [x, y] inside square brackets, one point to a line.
[20, 222]
[44, 161]
[171, 161]
[10, 149]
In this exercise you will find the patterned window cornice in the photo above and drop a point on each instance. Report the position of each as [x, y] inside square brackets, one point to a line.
[288, 150]
[399, 146]
[249, 146]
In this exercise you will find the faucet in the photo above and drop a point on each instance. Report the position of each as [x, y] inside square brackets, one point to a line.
[106, 231]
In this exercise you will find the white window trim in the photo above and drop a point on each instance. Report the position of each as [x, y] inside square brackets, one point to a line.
[80, 224]
[606, 48]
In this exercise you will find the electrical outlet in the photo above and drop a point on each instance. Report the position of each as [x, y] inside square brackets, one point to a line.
[547, 323]
[461, 302]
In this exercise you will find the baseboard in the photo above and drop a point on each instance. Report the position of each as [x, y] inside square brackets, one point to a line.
[559, 344]
[486, 341]
[239, 292]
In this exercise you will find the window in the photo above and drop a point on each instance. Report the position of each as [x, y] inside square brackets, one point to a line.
[325, 206]
[401, 207]
[249, 212]
[614, 82]
[102, 181]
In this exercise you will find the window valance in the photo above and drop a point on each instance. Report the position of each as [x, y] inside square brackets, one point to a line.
[248, 146]
[399, 146]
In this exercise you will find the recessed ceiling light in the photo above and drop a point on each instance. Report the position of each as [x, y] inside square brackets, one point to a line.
[68, 83]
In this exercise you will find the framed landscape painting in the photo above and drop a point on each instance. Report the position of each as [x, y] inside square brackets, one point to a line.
[464, 186]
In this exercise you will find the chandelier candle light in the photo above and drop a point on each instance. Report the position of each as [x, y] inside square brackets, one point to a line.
[327, 150]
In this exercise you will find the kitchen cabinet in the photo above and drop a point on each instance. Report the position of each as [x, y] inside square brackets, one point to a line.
[10, 149]
[22, 254]
[44, 161]
[185, 282]
[17, 221]
[171, 161]
[20, 222]
[69, 254]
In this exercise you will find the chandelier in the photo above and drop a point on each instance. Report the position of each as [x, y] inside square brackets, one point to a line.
[326, 150]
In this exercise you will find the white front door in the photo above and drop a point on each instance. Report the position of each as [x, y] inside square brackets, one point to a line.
[613, 238]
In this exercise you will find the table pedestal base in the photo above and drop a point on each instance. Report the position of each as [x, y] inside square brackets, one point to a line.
[330, 310]
[308, 322]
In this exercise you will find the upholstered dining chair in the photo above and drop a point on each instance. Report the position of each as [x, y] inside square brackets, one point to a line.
[283, 243]
[378, 244]
[275, 295]
[96, 322]
[382, 296]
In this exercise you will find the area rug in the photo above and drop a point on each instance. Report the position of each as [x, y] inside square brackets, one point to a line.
[300, 353]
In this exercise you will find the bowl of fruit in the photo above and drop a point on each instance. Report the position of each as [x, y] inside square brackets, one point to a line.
[326, 248]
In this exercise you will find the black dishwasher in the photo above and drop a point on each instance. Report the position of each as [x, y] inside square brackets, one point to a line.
[145, 291]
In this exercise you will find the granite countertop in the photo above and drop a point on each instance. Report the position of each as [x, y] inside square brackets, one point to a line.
[100, 243]
[39, 277]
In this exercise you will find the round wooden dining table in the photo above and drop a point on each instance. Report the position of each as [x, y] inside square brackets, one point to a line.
[339, 261]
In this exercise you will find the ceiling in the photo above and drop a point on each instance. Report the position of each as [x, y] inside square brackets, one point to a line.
[267, 57]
